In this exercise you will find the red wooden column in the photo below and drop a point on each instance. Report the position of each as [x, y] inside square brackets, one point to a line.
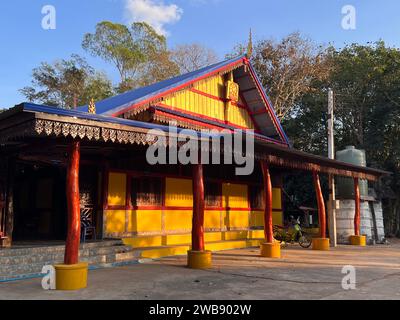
[73, 205]
[321, 205]
[357, 207]
[198, 257]
[268, 231]
[198, 208]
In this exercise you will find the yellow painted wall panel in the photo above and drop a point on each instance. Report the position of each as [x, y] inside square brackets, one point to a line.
[177, 239]
[277, 218]
[144, 220]
[257, 219]
[178, 220]
[237, 219]
[200, 104]
[234, 195]
[235, 235]
[178, 192]
[115, 221]
[212, 219]
[116, 189]
[276, 198]
[147, 241]
[254, 234]
[213, 236]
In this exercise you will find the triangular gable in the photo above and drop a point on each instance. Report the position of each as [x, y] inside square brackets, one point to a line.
[176, 96]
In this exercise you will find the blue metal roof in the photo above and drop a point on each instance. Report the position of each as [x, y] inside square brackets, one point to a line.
[112, 106]
[120, 102]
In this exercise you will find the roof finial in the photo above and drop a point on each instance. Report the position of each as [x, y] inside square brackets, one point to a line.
[250, 45]
[92, 106]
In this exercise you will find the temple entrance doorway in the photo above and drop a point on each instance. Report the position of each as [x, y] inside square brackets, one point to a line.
[39, 202]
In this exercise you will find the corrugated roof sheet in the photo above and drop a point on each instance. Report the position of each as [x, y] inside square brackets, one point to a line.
[120, 102]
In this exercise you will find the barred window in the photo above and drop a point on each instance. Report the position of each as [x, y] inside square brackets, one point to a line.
[146, 191]
[212, 194]
[256, 197]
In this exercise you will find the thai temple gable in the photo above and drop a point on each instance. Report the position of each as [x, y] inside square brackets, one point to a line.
[226, 95]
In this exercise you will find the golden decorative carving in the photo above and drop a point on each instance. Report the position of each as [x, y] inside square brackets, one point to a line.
[92, 106]
[232, 91]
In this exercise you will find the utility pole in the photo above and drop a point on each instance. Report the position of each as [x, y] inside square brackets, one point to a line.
[331, 155]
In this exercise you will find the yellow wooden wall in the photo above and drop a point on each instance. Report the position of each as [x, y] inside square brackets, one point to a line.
[193, 101]
[177, 215]
[257, 217]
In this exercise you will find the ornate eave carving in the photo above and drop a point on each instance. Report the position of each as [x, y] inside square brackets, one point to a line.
[70, 127]
[52, 128]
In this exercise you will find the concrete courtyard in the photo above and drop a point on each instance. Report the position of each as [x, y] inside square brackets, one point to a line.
[240, 274]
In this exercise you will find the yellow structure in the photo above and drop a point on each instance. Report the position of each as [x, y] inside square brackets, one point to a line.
[71, 276]
[320, 244]
[233, 224]
[199, 259]
[271, 250]
[358, 241]
[207, 99]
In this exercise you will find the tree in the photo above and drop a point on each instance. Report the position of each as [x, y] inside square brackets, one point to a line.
[287, 69]
[366, 82]
[113, 43]
[66, 83]
[191, 57]
[134, 51]
[160, 68]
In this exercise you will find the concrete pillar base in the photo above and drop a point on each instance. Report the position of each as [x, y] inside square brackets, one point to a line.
[71, 276]
[358, 241]
[320, 244]
[271, 250]
[199, 259]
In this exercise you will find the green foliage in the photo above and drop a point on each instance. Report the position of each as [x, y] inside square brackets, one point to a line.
[366, 82]
[138, 52]
[113, 42]
[67, 82]
[287, 69]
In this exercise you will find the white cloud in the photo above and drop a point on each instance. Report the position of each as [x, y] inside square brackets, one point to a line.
[154, 12]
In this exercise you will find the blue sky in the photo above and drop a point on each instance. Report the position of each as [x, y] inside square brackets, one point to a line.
[218, 24]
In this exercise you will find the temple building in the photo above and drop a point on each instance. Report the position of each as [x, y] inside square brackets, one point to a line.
[162, 209]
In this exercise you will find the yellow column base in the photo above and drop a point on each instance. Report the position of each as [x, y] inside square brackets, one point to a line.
[358, 241]
[320, 244]
[71, 276]
[199, 259]
[271, 250]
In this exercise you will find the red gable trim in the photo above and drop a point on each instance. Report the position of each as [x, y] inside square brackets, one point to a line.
[200, 116]
[217, 122]
[205, 94]
[266, 101]
[256, 126]
[198, 123]
[182, 86]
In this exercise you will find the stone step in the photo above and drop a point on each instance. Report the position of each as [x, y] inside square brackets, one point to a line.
[173, 250]
[26, 250]
[57, 255]
[8, 271]
[100, 254]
